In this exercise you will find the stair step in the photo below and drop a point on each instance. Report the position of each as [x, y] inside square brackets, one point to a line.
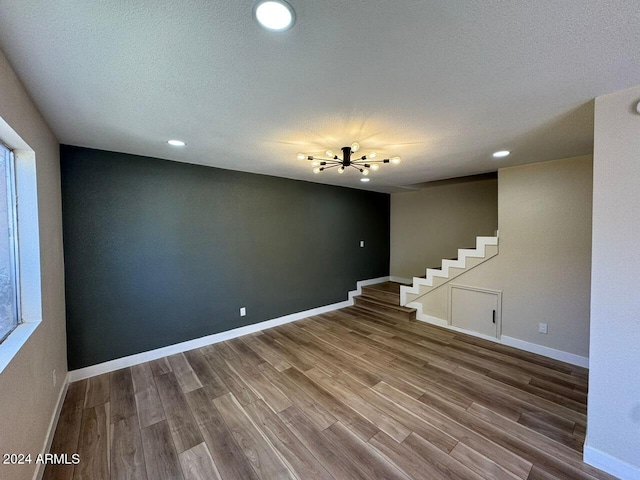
[370, 314]
[393, 287]
[486, 248]
[382, 295]
[396, 311]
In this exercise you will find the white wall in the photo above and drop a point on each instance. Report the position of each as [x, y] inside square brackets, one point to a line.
[544, 260]
[432, 223]
[613, 437]
[27, 395]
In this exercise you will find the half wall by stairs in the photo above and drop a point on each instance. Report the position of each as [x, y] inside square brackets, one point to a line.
[415, 296]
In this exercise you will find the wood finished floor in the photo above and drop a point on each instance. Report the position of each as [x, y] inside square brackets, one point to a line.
[344, 395]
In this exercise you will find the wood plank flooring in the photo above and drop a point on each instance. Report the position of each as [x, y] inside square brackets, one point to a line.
[350, 394]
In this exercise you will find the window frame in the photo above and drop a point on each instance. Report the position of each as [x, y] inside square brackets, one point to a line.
[28, 255]
[14, 254]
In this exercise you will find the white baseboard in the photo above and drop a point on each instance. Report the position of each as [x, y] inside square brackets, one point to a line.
[561, 355]
[610, 464]
[53, 423]
[143, 357]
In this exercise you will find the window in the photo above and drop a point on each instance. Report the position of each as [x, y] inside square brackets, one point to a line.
[9, 303]
[21, 279]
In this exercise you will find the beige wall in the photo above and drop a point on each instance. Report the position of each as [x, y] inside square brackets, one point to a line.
[543, 268]
[614, 383]
[27, 395]
[431, 224]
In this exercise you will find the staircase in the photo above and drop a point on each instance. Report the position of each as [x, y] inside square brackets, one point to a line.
[384, 298]
[468, 258]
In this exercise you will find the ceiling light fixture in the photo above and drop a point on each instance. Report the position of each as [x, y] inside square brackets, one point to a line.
[501, 154]
[176, 143]
[365, 179]
[363, 164]
[274, 15]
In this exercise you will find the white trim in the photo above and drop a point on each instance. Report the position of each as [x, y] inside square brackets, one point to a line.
[463, 253]
[37, 475]
[560, 355]
[28, 235]
[118, 363]
[393, 278]
[14, 342]
[610, 464]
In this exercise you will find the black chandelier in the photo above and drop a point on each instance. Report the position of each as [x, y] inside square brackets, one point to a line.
[363, 164]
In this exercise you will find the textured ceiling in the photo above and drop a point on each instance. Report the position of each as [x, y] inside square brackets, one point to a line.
[441, 83]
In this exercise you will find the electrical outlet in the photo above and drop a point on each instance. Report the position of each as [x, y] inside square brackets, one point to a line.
[243, 311]
[55, 378]
[361, 243]
[543, 328]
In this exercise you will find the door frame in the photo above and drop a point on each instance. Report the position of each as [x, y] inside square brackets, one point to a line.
[497, 293]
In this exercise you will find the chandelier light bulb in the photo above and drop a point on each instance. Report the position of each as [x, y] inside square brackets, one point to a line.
[375, 167]
[395, 160]
[302, 156]
[365, 171]
[341, 170]
[315, 163]
[355, 146]
[329, 154]
[316, 170]
[372, 155]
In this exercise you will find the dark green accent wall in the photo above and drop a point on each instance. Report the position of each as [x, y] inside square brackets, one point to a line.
[160, 252]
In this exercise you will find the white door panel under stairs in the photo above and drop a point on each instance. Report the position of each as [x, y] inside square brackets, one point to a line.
[475, 309]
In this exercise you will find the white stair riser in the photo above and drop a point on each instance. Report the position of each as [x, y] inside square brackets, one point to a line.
[450, 269]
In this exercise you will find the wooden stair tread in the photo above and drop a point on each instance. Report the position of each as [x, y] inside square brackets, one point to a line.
[393, 300]
[376, 301]
[392, 287]
[383, 295]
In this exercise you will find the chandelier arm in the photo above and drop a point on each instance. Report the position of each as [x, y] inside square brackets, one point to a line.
[362, 162]
[330, 166]
[318, 159]
[363, 165]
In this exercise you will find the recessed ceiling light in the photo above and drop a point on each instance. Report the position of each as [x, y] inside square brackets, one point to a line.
[365, 180]
[501, 154]
[176, 143]
[274, 15]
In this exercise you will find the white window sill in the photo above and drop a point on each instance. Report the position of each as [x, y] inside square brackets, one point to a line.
[14, 342]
